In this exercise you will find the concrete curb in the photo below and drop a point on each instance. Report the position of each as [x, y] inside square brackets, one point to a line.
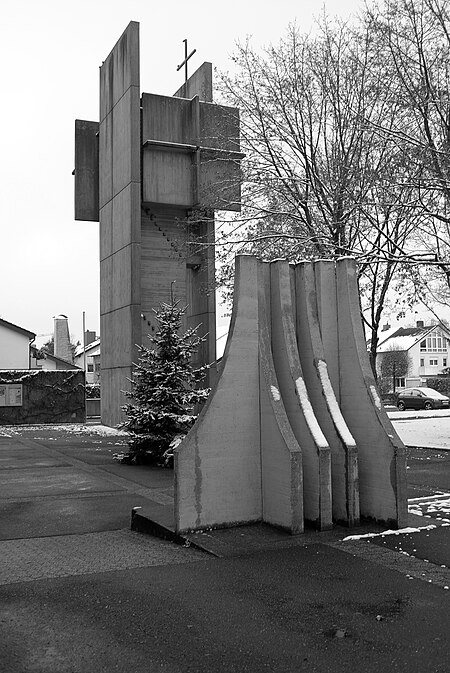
[414, 416]
[142, 521]
[247, 539]
[429, 448]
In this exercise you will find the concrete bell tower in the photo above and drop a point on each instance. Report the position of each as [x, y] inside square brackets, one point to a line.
[152, 171]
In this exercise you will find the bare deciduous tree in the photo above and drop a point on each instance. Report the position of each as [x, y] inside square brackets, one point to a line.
[324, 174]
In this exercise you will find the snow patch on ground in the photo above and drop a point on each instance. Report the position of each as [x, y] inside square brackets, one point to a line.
[437, 506]
[69, 428]
[400, 531]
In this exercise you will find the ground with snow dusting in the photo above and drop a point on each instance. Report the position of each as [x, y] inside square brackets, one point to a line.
[65, 428]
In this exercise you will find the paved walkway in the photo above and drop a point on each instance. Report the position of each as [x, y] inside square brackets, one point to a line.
[69, 555]
[65, 507]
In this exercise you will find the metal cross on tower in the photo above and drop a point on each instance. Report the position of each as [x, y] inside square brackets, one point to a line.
[186, 59]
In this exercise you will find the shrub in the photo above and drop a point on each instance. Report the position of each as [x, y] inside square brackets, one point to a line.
[442, 385]
[92, 390]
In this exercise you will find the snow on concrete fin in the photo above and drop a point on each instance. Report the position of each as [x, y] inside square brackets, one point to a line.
[375, 397]
[309, 414]
[338, 419]
[275, 393]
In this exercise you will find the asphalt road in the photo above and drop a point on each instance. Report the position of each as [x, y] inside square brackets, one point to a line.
[311, 609]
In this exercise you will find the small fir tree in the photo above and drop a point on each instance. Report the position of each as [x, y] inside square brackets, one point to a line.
[164, 392]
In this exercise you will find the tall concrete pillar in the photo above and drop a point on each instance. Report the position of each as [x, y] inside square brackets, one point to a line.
[149, 173]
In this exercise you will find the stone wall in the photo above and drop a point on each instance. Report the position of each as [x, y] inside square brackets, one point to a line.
[46, 397]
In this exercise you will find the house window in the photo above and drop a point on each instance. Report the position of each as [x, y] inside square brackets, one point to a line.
[422, 362]
[433, 362]
[90, 368]
[399, 382]
[97, 366]
[437, 343]
[444, 362]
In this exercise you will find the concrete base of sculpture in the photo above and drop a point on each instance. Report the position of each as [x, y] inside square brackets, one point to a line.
[294, 431]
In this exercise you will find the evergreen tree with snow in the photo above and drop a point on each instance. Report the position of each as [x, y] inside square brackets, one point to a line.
[164, 390]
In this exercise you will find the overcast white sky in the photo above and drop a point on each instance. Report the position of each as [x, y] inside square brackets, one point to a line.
[50, 51]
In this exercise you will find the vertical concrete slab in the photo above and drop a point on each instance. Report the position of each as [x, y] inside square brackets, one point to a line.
[120, 70]
[218, 466]
[86, 170]
[327, 312]
[309, 435]
[200, 84]
[170, 181]
[200, 281]
[220, 172]
[163, 262]
[281, 455]
[381, 454]
[168, 119]
[344, 467]
[119, 202]
[201, 296]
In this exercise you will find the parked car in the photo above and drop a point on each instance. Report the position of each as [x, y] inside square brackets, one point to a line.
[422, 398]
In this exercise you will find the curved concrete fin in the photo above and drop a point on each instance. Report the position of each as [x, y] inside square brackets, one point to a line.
[218, 465]
[281, 456]
[381, 454]
[314, 446]
[344, 462]
[326, 292]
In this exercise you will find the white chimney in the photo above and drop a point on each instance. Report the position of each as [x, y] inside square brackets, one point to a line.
[62, 340]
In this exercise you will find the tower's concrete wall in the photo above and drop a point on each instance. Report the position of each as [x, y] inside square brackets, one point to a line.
[120, 232]
[152, 171]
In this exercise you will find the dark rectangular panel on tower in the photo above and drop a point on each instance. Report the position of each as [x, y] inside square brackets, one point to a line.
[86, 171]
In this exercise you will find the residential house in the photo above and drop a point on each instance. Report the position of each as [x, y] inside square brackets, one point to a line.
[89, 356]
[15, 345]
[43, 360]
[61, 358]
[427, 347]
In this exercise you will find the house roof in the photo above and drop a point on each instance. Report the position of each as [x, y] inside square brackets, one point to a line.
[16, 328]
[80, 349]
[406, 337]
[55, 358]
[64, 362]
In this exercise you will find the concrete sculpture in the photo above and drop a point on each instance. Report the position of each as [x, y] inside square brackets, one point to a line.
[152, 171]
[294, 430]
